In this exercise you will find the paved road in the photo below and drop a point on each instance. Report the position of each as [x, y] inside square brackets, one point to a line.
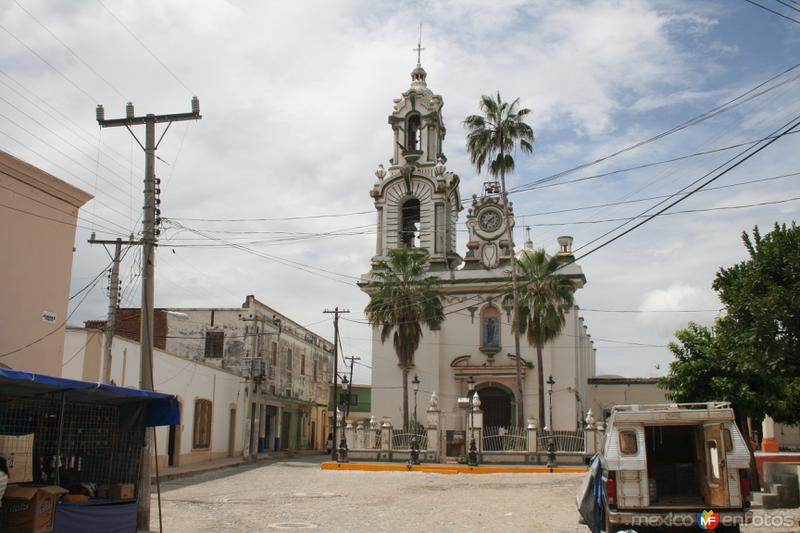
[296, 494]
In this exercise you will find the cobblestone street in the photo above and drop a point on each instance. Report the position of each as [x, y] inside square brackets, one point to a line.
[296, 494]
[293, 495]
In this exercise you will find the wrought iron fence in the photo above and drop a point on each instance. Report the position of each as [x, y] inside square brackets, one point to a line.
[402, 440]
[505, 439]
[564, 441]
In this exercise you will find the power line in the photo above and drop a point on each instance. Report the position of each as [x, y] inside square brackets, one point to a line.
[772, 11]
[610, 204]
[690, 122]
[682, 212]
[46, 335]
[46, 62]
[789, 126]
[152, 54]
[524, 188]
[62, 119]
[71, 51]
[790, 6]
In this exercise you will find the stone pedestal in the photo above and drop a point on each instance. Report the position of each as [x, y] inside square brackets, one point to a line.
[768, 441]
[533, 430]
[386, 435]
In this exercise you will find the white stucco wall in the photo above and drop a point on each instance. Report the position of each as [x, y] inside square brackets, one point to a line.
[188, 380]
[567, 359]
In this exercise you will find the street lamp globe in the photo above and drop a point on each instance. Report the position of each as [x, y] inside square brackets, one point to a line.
[415, 384]
[471, 384]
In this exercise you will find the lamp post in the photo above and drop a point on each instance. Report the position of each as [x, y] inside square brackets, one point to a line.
[343, 442]
[414, 440]
[472, 457]
[551, 445]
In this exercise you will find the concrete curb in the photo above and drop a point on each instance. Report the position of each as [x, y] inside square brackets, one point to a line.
[452, 469]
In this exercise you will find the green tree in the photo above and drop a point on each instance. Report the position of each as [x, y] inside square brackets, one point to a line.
[762, 302]
[492, 139]
[703, 371]
[544, 298]
[402, 300]
[752, 358]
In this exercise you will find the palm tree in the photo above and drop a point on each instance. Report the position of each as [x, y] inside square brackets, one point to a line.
[402, 300]
[544, 296]
[492, 138]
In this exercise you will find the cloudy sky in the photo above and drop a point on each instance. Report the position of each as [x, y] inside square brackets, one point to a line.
[294, 98]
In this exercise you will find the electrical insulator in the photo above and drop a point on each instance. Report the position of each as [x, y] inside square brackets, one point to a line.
[158, 181]
[158, 190]
[100, 113]
[158, 211]
[195, 105]
[158, 201]
[129, 110]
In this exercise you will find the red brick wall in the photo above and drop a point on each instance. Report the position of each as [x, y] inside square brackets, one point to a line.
[129, 326]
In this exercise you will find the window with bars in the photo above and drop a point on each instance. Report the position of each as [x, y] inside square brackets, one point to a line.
[303, 363]
[316, 370]
[289, 359]
[202, 424]
[215, 342]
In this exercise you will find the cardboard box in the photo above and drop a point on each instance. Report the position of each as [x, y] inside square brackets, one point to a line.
[121, 491]
[30, 508]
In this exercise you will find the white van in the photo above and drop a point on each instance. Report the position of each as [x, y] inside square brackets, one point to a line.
[664, 465]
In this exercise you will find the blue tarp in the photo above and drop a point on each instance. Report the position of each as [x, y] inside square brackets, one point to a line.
[162, 409]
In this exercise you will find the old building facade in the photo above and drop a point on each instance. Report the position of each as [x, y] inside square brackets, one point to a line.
[285, 369]
[417, 201]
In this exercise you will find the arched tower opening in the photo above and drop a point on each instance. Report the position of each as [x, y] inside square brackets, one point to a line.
[414, 132]
[410, 223]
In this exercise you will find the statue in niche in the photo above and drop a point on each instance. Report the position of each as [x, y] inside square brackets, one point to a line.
[491, 332]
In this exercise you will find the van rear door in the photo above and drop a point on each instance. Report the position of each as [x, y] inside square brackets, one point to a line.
[716, 493]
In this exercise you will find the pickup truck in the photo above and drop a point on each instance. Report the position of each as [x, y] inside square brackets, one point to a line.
[673, 466]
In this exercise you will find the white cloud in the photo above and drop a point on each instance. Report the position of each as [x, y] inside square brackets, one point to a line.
[294, 97]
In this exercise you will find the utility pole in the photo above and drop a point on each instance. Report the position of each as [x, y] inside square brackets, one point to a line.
[257, 372]
[149, 236]
[353, 360]
[113, 301]
[336, 312]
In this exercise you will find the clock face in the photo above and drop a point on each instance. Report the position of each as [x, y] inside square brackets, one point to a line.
[490, 220]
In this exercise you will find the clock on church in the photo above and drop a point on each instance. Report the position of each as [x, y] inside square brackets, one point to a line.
[490, 221]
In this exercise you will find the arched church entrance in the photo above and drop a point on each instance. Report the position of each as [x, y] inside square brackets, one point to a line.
[496, 404]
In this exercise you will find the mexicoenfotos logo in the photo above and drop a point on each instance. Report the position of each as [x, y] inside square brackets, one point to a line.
[707, 520]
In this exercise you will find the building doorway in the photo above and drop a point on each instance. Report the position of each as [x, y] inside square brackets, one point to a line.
[286, 421]
[496, 404]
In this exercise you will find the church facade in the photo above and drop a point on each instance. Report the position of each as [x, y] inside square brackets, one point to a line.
[418, 202]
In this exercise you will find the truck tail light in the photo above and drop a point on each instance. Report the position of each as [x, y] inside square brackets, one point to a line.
[611, 491]
[744, 483]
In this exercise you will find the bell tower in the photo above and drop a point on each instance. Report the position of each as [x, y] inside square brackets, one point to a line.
[416, 198]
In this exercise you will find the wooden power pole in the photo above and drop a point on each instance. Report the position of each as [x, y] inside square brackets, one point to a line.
[336, 312]
[150, 220]
[113, 301]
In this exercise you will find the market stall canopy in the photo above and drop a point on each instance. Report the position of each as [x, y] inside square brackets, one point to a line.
[162, 409]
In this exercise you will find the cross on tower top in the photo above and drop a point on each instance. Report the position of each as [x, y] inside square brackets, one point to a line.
[419, 48]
